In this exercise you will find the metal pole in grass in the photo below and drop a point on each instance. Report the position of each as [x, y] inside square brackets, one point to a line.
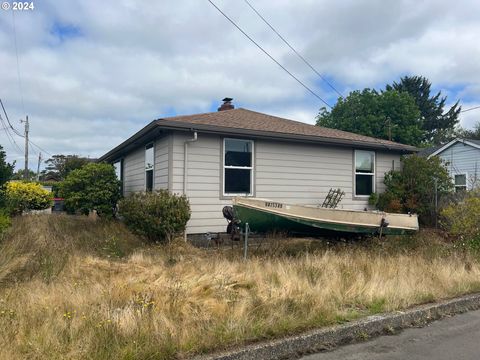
[245, 245]
[436, 203]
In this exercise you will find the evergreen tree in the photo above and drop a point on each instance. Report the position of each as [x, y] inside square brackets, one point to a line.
[469, 134]
[438, 125]
[6, 169]
[59, 166]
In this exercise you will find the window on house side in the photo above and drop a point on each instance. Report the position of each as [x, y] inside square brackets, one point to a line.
[237, 167]
[118, 165]
[118, 169]
[364, 172]
[460, 182]
[149, 161]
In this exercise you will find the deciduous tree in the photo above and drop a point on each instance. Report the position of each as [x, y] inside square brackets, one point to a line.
[386, 115]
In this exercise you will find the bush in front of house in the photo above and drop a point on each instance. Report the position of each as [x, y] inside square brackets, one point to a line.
[21, 196]
[92, 187]
[461, 220]
[158, 215]
[412, 189]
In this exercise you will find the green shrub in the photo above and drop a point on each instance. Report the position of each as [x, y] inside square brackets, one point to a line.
[373, 199]
[55, 186]
[461, 220]
[92, 187]
[20, 196]
[158, 215]
[412, 189]
[4, 222]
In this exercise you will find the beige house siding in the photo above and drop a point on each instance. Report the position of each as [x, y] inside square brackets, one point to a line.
[284, 171]
[385, 163]
[161, 163]
[134, 171]
[203, 188]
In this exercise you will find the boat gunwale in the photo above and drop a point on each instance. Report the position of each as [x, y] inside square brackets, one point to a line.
[256, 207]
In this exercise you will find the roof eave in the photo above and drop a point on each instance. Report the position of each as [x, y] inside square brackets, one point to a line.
[453, 142]
[114, 153]
[141, 136]
[173, 125]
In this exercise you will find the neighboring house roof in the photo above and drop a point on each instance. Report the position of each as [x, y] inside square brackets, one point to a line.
[440, 149]
[251, 123]
[426, 152]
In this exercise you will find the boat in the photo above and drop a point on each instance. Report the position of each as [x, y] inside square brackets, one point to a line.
[264, 215]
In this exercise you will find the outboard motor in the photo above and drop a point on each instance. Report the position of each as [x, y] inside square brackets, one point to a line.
[228, 213]
[233, 223]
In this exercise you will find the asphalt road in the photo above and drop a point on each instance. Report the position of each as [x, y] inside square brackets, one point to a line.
[453, 338]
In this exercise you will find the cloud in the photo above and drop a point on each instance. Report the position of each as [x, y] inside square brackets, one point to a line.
[92, 73]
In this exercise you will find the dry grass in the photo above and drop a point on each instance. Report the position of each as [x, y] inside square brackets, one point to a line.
[73, 288]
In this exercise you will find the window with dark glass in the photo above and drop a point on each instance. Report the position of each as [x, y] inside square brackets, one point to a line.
[149, 160]
[364, 172]
[238, 167]
[460, 182]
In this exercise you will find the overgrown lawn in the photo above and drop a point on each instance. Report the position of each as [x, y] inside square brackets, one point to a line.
[75, 288]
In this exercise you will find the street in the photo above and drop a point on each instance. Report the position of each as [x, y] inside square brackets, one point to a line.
[456, 338]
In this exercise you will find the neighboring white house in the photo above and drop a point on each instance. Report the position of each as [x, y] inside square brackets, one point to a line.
[215, 156]
[463, 162]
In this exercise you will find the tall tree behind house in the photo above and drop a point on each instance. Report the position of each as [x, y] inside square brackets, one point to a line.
[438, 125]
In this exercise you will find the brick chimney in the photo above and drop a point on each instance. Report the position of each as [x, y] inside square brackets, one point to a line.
[227, 104]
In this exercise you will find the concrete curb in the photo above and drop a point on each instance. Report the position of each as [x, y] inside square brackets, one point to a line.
[328, 338]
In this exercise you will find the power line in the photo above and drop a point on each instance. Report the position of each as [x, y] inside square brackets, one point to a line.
[18, 62]
[293, 49]
[472, 108]
[18, 133]
[9, 136]
[270, 56]
[8, 120]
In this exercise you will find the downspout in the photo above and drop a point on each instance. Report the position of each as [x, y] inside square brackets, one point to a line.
[185, 168]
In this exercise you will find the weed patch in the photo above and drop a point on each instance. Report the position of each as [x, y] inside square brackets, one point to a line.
[75, 288]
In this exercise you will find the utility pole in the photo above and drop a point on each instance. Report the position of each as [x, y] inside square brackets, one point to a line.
[25, 175]
[38, 166]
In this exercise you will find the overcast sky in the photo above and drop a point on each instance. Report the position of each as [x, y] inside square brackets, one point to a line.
[94, 72]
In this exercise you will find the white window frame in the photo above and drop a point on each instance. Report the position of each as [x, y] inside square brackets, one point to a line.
[251, 168]
[355, 173]
[461, 186]
[120, 162]
[122, 175]
[145, 165]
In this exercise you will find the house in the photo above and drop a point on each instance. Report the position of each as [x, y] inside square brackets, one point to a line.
[213, 157]
[463, 161]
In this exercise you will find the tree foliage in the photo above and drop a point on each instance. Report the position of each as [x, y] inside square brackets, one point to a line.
[473, 134]
[21, 196]
[19, 175]
[59, 166]
[376, 114]
[6, 169]
[460, 219]
[92, 187]
[412, 189]
[438, 125]
[158, 215]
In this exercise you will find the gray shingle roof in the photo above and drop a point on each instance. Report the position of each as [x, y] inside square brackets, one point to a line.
[251, 123]
[254, 121]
